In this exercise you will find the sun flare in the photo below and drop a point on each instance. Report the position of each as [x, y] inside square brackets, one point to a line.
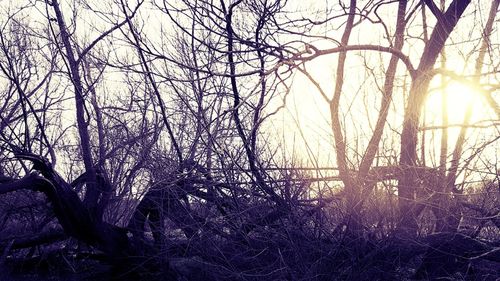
[458, 98]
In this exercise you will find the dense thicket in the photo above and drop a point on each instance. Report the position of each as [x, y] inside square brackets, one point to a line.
[158, 140]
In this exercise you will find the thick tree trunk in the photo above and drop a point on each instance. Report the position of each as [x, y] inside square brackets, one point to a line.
[77, 220]
[408, 184]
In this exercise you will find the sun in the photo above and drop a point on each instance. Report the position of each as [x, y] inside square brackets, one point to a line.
[457, 98]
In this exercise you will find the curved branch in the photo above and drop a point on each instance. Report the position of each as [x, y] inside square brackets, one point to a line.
[32, 182]
[364, 47]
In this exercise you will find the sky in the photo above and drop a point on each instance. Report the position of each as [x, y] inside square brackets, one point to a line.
[304, 123]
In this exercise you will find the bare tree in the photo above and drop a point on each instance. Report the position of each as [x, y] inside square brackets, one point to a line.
[155, 142]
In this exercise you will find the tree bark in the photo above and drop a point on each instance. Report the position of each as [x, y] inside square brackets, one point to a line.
[351, 183]
[408, 184]
[92, 192]
[75, 218]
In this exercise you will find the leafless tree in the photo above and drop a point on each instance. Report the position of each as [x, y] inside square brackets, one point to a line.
[146, 126]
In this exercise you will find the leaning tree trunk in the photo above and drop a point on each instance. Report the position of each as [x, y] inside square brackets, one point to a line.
[92, 194]
[78, 221]
[408, 184]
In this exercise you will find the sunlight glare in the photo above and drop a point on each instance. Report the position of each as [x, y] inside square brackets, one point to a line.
[458, 98]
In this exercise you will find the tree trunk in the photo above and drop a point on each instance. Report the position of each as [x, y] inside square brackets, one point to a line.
[92, 193]
[408, 184]
[351, 184]
[78, 221]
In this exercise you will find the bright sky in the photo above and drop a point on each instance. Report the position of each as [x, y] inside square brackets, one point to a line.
[305, 122]
[361, 99]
